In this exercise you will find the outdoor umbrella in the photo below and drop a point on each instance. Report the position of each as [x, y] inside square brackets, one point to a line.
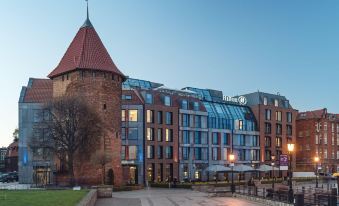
[217, 168]
[243, 168]
[266, 168]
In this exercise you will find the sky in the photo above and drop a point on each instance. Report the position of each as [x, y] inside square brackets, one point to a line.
[238, 46]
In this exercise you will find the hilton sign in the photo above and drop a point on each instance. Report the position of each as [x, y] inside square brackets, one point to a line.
[239, 100]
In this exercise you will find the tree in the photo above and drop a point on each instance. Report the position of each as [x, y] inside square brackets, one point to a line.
[75, 127]
[16, 134]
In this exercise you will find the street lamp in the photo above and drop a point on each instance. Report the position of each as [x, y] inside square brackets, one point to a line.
[232, 159]
[316, 160]
[273, 176]
[290, 148]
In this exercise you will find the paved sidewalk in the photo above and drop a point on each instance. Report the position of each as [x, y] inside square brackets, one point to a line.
[169, 197]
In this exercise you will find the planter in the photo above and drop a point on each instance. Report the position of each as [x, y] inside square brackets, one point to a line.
[104, 191]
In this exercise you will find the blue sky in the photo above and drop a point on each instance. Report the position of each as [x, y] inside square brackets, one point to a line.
[238, 46]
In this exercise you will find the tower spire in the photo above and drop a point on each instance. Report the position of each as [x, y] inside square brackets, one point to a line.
[87, 22]
[87, 10]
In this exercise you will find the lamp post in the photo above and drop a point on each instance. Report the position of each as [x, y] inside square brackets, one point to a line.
[232, 159]
[316, 160]
[273, 176]
[290, 148]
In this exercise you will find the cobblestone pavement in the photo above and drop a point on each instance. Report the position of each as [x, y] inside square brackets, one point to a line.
[170, 197]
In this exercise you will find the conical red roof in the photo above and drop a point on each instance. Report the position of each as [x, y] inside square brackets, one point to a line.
[86, 52]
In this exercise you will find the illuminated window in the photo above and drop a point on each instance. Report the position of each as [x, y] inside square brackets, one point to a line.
[265, 100]
[133, 115]
[150, 116]
[169, 135]
[276, 103]
[132, 152]
[150, 134]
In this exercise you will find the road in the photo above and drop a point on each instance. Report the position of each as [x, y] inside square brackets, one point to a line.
[169, 197]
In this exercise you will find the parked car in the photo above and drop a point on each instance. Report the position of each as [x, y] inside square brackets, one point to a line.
[9, 177]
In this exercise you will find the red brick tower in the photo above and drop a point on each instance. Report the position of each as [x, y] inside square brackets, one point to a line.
[87, 69]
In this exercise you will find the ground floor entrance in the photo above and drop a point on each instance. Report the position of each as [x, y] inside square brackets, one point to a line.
[131, 174]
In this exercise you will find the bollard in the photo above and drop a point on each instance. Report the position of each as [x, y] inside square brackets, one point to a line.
[299, 199]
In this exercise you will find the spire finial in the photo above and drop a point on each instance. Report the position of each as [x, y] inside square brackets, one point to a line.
[87, 22]
[87, 10]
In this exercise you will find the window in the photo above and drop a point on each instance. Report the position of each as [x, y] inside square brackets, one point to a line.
[185, 120]
[276, 103]
[132, 133]
[265, 100]
[278, 116]
[160, 152]
[150, 151]
[132, 152]
[149, 98]
[316, 139]
[185, 153]
[289, 117]
[47, 115]
[325, 126]
[278, 141]
[133, 115]
[215, 138]
[268, 155]
[123, 152]
[197, 153]
[215, 153]
[159, 117]
[338, 155]
[289, 130]
[278, 129]
[325, 138]
[127, 97]
[169, 135]
[225, 152]
[169, 170]
[185, 137]
[169, 152]
[286, 102]
[184, 104]
[196, 106]
[333, 127]
[226, 139]
[37, 115]
[204, 139]
[159, 135]
[204, 154]
[325, 153]
[268, 114]
[169, 116]
[149, 116]
[150, 134]
[123, 133]
[197, 137]
[239, 124]
[167, 101]
[268, 128]
[197, 121]
[123, 115]
[267, 141]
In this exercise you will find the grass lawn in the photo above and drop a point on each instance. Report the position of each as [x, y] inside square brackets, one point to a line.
[41, 197]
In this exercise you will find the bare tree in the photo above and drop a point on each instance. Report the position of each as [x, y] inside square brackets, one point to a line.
[74, 127]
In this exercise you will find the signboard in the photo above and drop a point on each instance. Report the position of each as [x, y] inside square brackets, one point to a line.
[283, 162]
[239, 100]
[127, 162]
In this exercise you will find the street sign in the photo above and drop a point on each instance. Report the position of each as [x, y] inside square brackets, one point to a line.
[283, 160]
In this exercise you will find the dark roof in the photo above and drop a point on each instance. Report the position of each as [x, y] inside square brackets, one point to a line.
[257, 98]
[86, 52]
[37, 91]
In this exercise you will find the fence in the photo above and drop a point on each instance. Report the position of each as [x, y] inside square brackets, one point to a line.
[302, 197]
